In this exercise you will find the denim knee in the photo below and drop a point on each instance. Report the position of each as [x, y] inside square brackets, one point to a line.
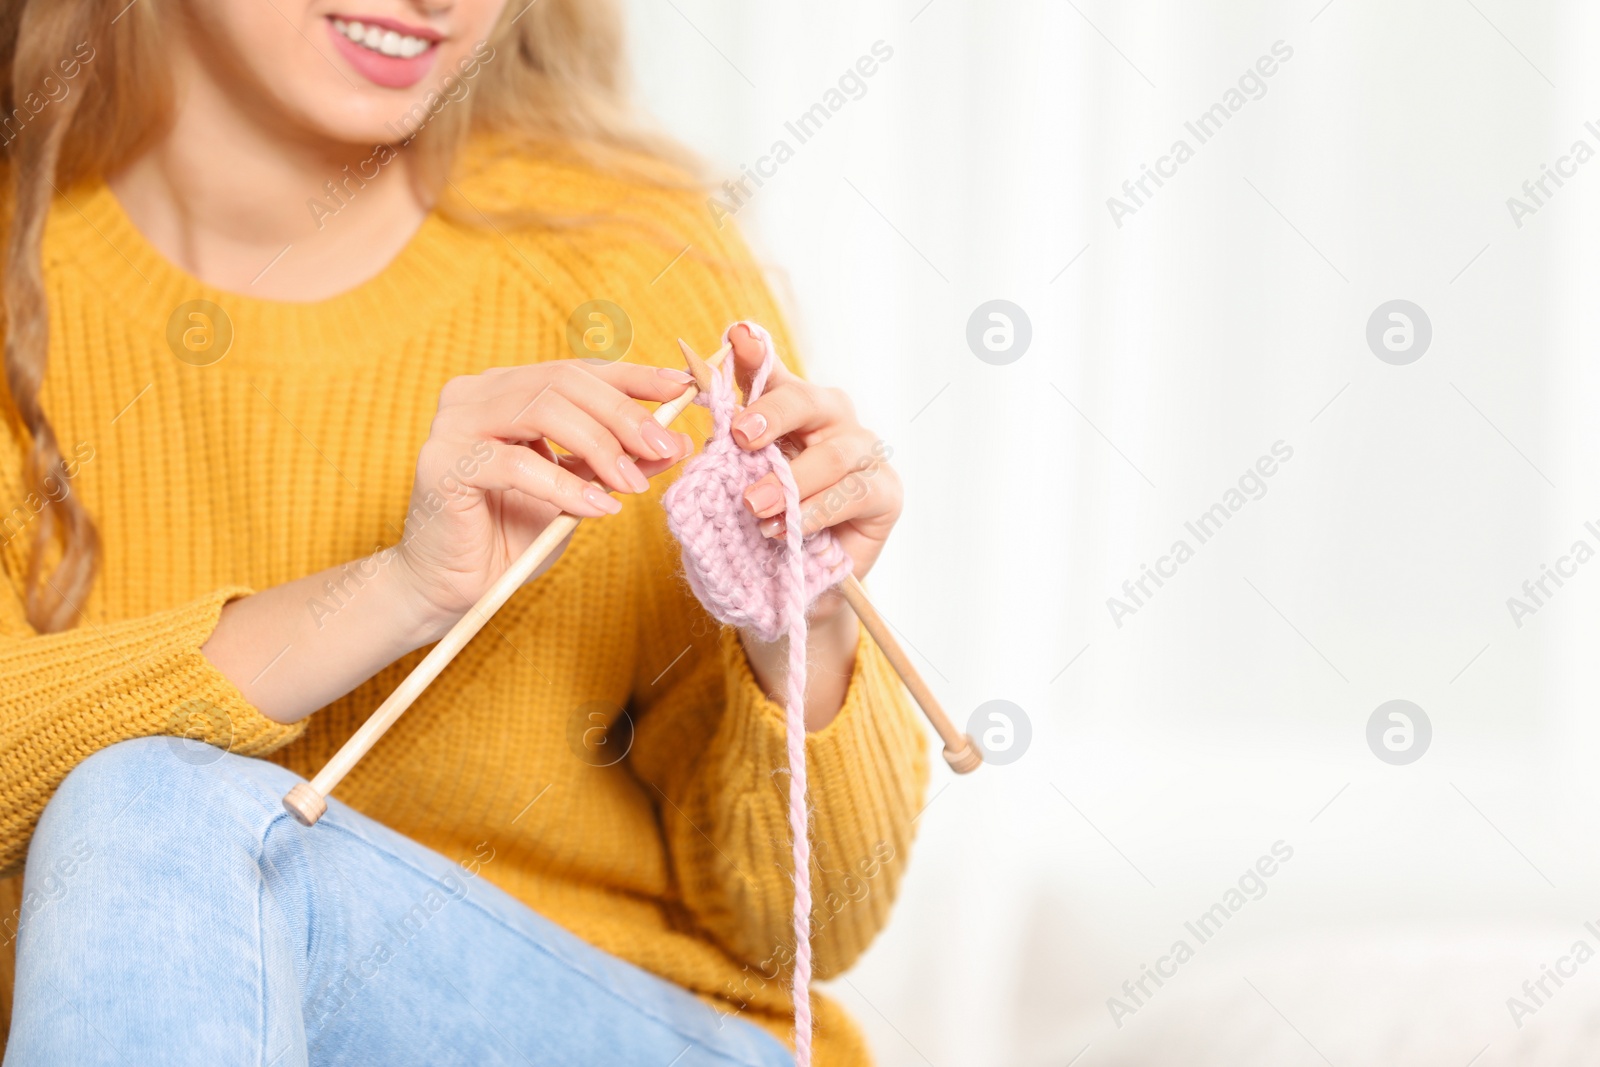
[180, 879]
[150, 794]
[112, 770]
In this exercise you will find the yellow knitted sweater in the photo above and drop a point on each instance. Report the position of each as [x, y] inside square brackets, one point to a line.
[295, 452]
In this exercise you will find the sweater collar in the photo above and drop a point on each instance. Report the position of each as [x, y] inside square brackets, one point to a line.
[88, 230]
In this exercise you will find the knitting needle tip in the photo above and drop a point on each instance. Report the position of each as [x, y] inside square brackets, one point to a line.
[697, 366]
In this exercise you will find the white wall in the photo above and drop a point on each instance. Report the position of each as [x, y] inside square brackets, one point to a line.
[1227, 314]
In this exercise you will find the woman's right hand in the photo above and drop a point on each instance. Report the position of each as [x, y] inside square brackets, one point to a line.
[488, 481]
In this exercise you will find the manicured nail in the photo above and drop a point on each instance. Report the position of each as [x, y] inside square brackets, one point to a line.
[749, 427]
[659, 440]
[687, 444]
[763, 498]
[682, 377]
[772, 527]
[605, 502]
[633, 475]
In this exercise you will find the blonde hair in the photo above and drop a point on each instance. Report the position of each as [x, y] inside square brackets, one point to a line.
[557, 83]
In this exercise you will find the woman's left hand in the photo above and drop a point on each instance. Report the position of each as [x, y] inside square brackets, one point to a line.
[840, 467]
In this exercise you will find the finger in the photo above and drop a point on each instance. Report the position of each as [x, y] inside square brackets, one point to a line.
[865, 502]
[649, 467]
[685, 445]
[638, 380]
[795, 406]
[513, 468]
[845, 458]
[855, 499]
[653, 467]
[614, 409]
[554, 416]
[748, 355]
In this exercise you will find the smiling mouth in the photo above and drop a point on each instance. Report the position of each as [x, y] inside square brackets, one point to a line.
[382, 40]
[387, 53]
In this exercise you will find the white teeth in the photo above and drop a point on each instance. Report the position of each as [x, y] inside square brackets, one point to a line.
[385, 42]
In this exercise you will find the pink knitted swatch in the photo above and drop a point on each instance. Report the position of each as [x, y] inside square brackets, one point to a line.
[765, 586]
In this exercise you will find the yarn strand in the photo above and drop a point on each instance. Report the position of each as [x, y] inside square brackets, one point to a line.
[799, 809]
[766, 587]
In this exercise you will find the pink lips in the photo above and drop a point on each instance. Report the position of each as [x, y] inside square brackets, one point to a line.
[391, 72]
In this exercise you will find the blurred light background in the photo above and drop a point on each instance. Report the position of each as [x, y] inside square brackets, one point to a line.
[1172, 347]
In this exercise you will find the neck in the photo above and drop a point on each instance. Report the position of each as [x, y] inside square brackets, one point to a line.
[223, 193]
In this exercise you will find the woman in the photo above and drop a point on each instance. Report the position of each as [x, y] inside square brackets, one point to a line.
[294, 297]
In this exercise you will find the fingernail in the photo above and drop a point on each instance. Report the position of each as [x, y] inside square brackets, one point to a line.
[633, 475]
[764, 498]
[687, 443]
[682, 377]
[604, 501]
[771, 527]
[749, 427]
[659, 440]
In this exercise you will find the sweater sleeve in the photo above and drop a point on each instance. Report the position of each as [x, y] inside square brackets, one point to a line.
[711, 745]
[65, 696]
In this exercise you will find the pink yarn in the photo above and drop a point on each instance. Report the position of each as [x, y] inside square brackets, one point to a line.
[765, 586]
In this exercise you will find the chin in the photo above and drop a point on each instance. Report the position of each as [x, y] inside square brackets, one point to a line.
[364, 72]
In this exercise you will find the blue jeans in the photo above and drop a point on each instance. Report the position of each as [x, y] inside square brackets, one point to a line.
[174, 914]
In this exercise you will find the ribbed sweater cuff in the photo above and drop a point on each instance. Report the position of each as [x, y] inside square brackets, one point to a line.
[68, 695]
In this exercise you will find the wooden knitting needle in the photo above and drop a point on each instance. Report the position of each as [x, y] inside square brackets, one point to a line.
[308, 800]
[960, 751]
